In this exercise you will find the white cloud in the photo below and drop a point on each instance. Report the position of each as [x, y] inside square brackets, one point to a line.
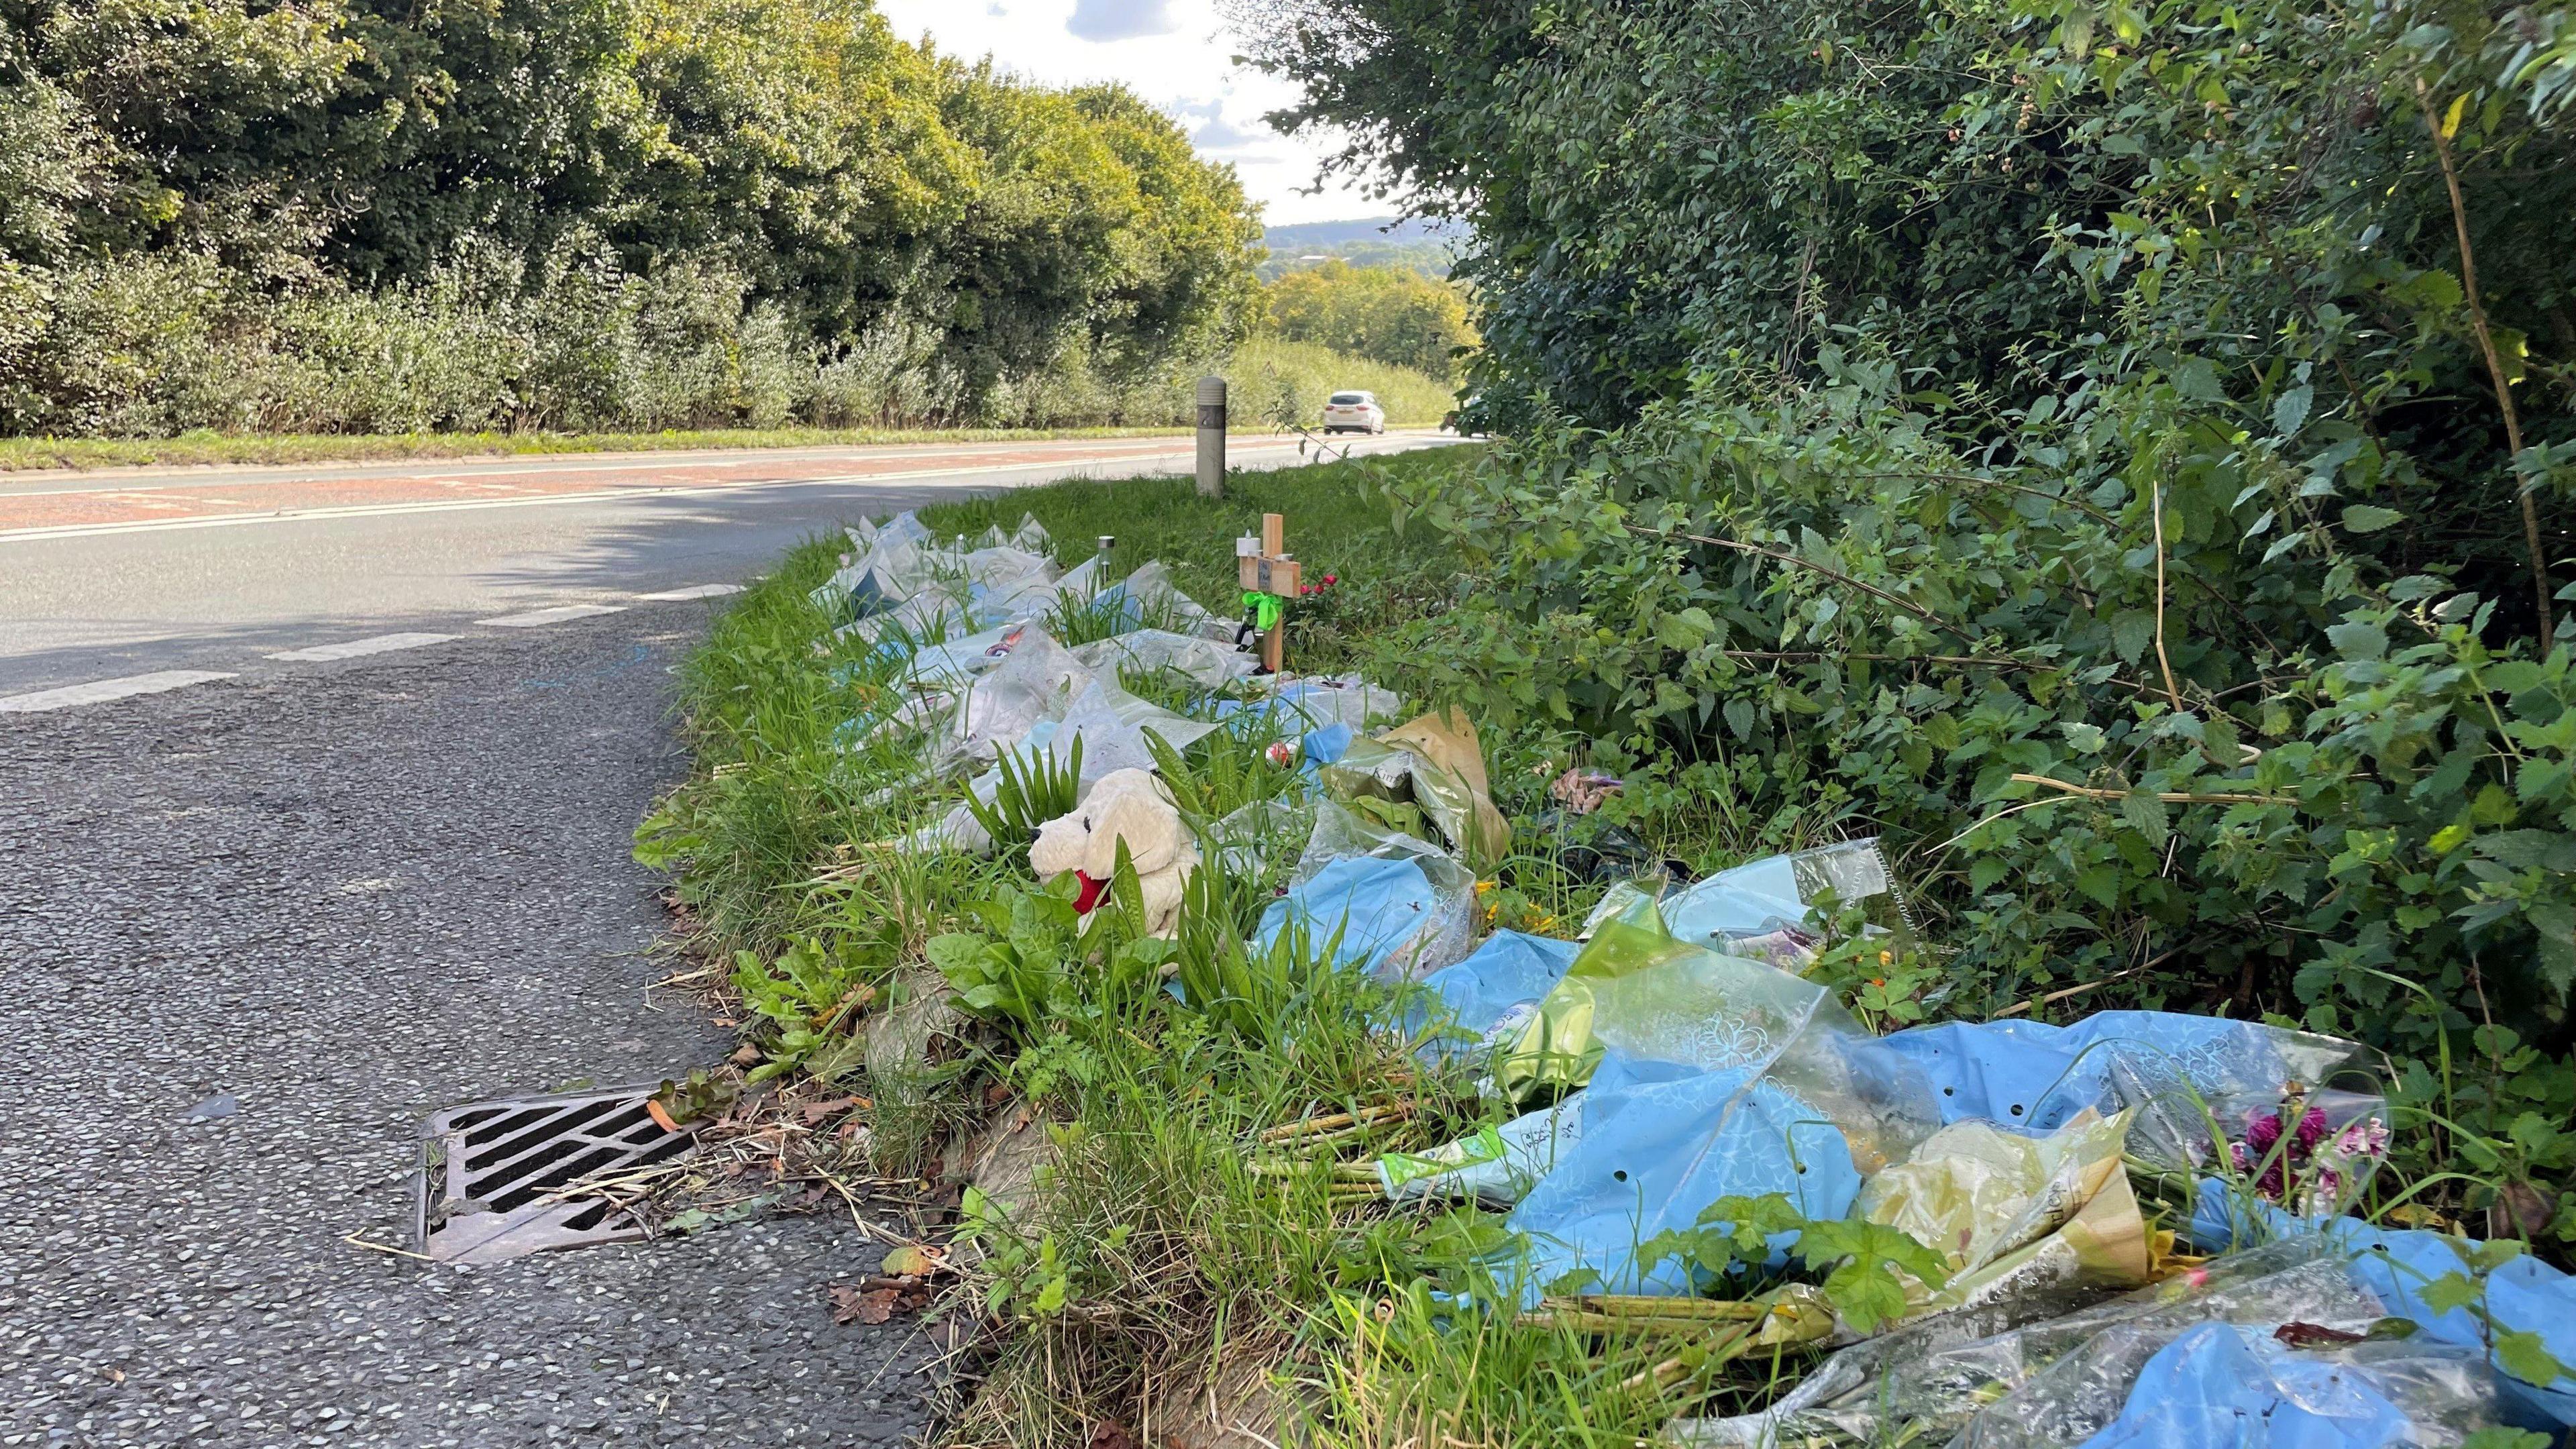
[1174, 53]
[1114, 20]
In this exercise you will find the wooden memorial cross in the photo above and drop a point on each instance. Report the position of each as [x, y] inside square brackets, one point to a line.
[1268, 568]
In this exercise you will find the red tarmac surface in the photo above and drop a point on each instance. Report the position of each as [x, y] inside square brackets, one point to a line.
[71, 500]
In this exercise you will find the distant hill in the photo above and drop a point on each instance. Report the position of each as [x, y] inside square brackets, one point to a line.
[1322, 235]
[1413, 245]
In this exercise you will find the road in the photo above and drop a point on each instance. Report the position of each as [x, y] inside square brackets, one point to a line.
[343, 897]
[261, 922]
[209, 570]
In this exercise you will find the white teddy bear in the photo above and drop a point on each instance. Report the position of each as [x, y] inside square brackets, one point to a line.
[1130, 806]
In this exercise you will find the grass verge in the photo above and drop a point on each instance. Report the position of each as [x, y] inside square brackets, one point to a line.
[1275, 384]
[206, 448]
[1188, 1260]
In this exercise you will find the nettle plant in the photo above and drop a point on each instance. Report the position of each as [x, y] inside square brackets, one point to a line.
[2115, 736]
[2120, 454]
[1744, 1246]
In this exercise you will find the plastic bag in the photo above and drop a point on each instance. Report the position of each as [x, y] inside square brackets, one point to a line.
[1485, 1001]
[1764, 897]
[950, 666]
[2521, 1295]
[1496, 1166]
[1248, 843]
[2017, 1215]
[1673, 1000]
[1038, 679]
[1661, 1142]
[1003, 565]
[1404, 907]
[1372, 909]
[2179, 1071]
[1112, 725]
[1202, 662]
[1448, 930]
[895, 562]
[1713, 1076]
[1149, 596]
[2237, 1384]
[1924, 1382]
[1298, 703]
[1081, 583]
[1437, 763]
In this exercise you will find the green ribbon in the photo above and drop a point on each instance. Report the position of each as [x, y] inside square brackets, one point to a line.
[1262, 609]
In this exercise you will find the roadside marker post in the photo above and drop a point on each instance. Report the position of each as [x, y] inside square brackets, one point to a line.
[1270, 575]
[1211, 437]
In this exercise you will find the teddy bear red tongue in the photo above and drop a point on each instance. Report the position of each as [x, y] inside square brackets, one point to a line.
[1091, 892]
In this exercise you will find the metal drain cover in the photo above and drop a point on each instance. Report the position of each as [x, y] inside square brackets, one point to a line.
[491, 1169]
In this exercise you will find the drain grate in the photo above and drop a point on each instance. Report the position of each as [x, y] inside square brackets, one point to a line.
[491, 1169]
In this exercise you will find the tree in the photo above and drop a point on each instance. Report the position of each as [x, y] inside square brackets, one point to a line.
[1392, 315]
[178, 177]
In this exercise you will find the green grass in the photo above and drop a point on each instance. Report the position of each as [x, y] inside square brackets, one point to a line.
[198, 448]
[1160, 1261]
[1336, 524]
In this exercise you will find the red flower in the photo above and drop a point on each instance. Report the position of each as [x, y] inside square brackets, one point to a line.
[2263, 1135]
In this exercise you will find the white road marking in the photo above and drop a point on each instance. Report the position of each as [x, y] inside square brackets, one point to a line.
[694, 591]
[535, 617]
[100, 691]
[380, 644]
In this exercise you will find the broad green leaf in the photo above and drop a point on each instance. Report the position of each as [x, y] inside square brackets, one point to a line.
[2359, 641]
[2525, 1355]
[2290, 410]
[1866, 1295]
[2367, 518]
[1685, 629]
[1051, 1298]
[2501, 1437]
[2146, 815]
[2131, 632]
[2450, 1291]
[2530, 849]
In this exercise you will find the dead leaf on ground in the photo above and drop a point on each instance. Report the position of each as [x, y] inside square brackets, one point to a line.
[1110, 1434]
[817, 1112]
[877, 1300]
[913, 1261]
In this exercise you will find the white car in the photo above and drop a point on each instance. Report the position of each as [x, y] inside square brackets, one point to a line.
[1353, 412]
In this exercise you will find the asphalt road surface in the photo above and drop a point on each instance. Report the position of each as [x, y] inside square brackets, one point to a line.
[255, 930]
[261, 915]
[209, 570]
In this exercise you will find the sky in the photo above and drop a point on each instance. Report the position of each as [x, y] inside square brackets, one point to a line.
[1174, 53]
